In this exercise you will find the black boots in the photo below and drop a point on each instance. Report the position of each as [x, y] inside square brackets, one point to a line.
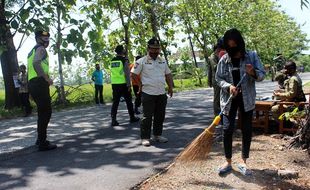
[45, 146]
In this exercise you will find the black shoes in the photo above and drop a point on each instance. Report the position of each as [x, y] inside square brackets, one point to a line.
[134, 119]
[45, 146]
[114, 123]
[137, 111]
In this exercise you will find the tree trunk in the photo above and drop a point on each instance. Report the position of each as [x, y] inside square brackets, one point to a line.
[193, 51]
[9, 63]
[154, 24]
[62, 96]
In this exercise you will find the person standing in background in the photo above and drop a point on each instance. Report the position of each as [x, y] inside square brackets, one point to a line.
[136, 88]
[23, 90]
[218, 52]
[98, 78]
[121, 85]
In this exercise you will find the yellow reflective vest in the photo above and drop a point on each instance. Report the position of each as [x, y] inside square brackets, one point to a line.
[117, 72]
[44, 63]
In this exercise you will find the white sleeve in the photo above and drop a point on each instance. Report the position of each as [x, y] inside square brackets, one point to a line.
[137, 68]
[167, 70]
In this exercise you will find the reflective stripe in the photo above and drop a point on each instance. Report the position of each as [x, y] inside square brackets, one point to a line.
[31, 71]
[117, 72]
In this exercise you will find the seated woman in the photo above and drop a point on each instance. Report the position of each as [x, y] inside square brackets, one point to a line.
[292, 89]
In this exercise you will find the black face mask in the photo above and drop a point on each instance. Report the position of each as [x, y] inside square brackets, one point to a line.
[233, 51]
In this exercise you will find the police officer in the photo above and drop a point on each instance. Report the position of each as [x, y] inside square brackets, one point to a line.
[121, 86]
[39, 82]
[154, 72]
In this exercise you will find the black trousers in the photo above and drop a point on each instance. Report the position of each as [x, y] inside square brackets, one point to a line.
[40, 92]
[154, 110]
[24, 98]
[121, 90]
[137, 95]
[98, 94]
[229, 126]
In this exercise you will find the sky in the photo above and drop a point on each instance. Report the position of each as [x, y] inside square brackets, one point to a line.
[301, 16]
[290, 7]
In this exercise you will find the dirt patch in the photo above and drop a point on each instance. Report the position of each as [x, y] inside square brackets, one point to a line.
[267, 157]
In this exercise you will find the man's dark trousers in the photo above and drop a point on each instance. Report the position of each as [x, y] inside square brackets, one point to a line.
[121, 90]
[154, 110]
[98, 94]
[24, 97]
[137, 95]
[39, 90]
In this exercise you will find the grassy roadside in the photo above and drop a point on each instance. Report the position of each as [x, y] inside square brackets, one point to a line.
[83, 95]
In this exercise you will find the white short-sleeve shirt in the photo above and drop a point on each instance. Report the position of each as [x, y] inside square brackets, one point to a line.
[152, 74]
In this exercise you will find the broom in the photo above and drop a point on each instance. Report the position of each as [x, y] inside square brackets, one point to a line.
[200, 147]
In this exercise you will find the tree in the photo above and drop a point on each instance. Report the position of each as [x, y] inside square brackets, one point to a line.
[8, 55]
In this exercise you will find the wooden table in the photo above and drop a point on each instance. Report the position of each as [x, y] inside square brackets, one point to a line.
[261, 119]
[307, 93]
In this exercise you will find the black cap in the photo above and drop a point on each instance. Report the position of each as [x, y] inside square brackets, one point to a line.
[41, 33]
[153, 43]
[119, 49]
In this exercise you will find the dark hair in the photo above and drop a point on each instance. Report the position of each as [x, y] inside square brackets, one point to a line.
[153, 43]
[119, 49]
[290, 65]
[219, 44]
[235, 35]
[22, 66]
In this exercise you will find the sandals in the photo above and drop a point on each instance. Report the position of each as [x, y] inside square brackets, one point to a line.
[244, 170]
[224, 170]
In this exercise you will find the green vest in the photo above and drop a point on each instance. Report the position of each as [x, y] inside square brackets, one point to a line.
[44, 63]
[117, 72]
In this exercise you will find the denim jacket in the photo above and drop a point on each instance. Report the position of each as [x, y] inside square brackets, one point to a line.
[224, 79]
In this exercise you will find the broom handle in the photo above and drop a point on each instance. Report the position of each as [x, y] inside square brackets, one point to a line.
[217, 119]
[231, 96]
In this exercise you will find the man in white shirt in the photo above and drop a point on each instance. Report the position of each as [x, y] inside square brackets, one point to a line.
[154, 73]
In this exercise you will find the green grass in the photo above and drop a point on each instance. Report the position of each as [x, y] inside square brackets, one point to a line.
[84, 95]
[307, 84]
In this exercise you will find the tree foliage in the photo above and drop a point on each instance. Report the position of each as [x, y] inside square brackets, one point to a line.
[90, 29]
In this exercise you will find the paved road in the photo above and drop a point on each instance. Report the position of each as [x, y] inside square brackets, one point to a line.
[93, 155]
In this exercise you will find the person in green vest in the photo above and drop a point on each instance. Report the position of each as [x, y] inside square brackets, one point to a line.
[39, 82]
[121, 85]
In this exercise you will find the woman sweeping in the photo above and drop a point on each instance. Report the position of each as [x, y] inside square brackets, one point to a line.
[230, 68]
